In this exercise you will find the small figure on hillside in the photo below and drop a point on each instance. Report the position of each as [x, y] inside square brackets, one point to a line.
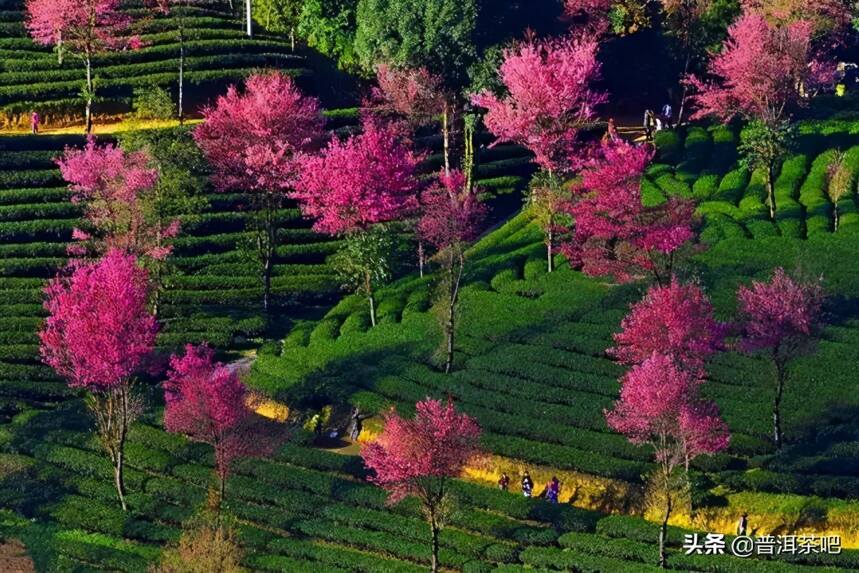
[743, 524]
[667, 112]
[612, 131]
[649, 124]
[316, 424]
[527, 484]
[503, 482]
[34, 122]
[356, 423]
[553, 488]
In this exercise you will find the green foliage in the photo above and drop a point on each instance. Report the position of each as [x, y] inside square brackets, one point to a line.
[153, 102]
[329, 26]
[363, 264]
[436, 34]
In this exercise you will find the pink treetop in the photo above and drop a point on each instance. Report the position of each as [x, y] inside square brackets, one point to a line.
[206, 401]
[702, 428]
[763, 71]
[113, 185]
[614, 234]
[437, 443]
[203, 397]
[354, 183]
[82, 25]
[659, 399]
[415, 94]
[99, 329]
[779, 311]
[252, 138]
[675, 320]
[550, 96]
[829, 17]
[450, 214]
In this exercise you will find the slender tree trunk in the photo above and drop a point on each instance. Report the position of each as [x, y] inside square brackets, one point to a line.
[779, 391]
[663, 531]
[445, 130]
[89, 94]
[771, 191]
[684, 92]
[371, 298]
[835, 217]
[266, 284]
[469, 155]
[118, 476]
[421, 257]
[60, 48]
[182, 70]
[292, 38]
[453, 298]
[550, 242]
[434, 531]
[248, 19]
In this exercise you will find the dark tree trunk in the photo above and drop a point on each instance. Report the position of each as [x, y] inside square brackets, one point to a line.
[663, 531]
[550, 256]
[778, 436]
[434, 531]
[771, 191]
[89, 95]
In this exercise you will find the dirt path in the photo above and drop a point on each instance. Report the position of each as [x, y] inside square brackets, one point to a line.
[14, 558]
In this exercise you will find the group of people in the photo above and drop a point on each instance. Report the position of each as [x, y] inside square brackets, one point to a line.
[553, 488]
[654, 122]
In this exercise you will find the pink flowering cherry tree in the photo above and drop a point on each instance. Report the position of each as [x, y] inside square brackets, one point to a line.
[419, 457]
[659, 405]
[206, 401]
[352, 188]
[119, 193]
[98, 334]
[451, 219]
[764, 72]
[675, 320]
[253, 139]
[84, 28]
[614, 233]
[779, 319]
[550, 99]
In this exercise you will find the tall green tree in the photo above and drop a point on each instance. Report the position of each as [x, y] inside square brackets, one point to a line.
[281, 16]
[434, 34]
[328, 26]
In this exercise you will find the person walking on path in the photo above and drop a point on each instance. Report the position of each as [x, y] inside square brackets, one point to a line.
[743, 524]
[553, 489]
[612, 131]
[356, 424]
[527, 484]
[503, 482]
[649, 124]
[667, 112]
[34, 122]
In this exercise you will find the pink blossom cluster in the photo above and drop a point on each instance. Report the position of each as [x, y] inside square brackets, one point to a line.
[113, 186]
[252, 139]
[99, 330]
[360, 181]
[451, 214]
[764, 71]
[675, 320]
[415, 94]
[206, 401]
[80, 25]
[437, 443]
[550, 97]
[776, 311]
[613, 232]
